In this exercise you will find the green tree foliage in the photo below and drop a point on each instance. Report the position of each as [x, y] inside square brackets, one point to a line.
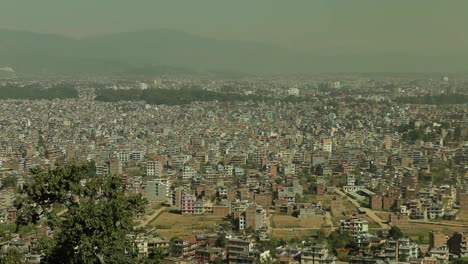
[270, 245]
[5, 231]
[155, 256]
[9, 182]
[220, 241]
[419, 134]
[33, 92]
[299, 198]
[440, 99]
[460, 261]
[404, 128]
[12, 256]
[218, 260]
[91, 168]
[97, 215]
[457, 133]
[323, 87]
[340, 240]
[395, 233]
[185, 95]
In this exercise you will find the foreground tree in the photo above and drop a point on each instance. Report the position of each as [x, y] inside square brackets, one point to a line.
[395, 233]
[12, 256]
[90, 215]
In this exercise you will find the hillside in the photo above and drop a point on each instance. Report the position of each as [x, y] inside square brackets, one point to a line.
[121, 53]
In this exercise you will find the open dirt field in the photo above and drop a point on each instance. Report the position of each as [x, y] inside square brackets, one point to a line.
[287, 221]
[168, 224]
[324, 199]
[288, 234]
[417, 229]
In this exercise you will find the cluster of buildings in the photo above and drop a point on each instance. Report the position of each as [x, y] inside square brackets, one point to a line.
[251, 160]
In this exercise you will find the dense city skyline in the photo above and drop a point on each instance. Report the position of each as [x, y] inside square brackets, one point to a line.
[236, 132]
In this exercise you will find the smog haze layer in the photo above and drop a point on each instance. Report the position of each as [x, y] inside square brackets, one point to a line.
[246, 36]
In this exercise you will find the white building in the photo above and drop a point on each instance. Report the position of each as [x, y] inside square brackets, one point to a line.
[327, 145]
[242, 222]
[137, 155]
[337, 85]
[354, 225]
[154, 168]
[189, 173]
[143, 86]
[229, 169]
[123, 155]
[293, 91]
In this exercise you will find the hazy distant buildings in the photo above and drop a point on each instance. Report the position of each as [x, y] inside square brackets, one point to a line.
[293, 91]
[327, 145]
[143, 86]
[388, 142]
[337, 85]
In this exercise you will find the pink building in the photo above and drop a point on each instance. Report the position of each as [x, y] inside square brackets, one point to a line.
[188, 204]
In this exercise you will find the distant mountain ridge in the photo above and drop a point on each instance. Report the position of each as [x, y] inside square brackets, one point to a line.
[29, 52]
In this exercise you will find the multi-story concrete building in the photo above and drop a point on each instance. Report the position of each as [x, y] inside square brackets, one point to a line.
[184, 248]
[188, 204]
[437, 239]
[123, 155]
[157, 190]
[400, 250]
[189, 173]
[355, 226]
[317, 254]
[327, 145]
[207, 255]
[255, 217]
[154, 168]
[239, 251]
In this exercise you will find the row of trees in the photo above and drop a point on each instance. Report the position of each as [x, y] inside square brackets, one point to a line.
[419, 134]
[185, 95]
[412, 133]
[34, 92]
[434, 99]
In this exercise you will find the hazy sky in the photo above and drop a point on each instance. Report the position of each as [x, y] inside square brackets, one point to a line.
[351, 25]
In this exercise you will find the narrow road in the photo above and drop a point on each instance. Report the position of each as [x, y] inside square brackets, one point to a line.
[370, 213]
[151, 217]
